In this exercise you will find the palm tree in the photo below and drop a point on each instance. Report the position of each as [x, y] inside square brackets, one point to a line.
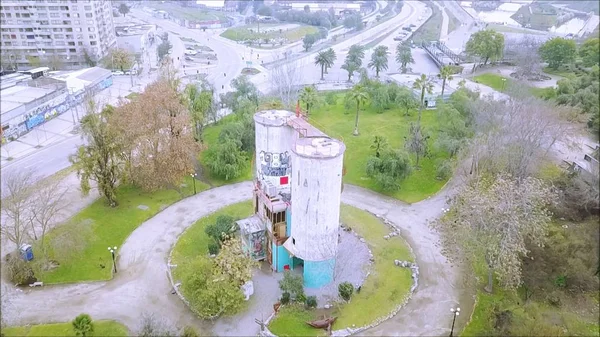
[83, 325]
[360, 96]
[379, 59]
[425, 85]
[350, 67]
[356, 53]
[404, 56]
[322, 60]
[445, 75]
[308, 96]
[331, 57]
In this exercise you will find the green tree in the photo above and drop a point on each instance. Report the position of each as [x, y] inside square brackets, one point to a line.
[83, 325]
[486, 44]
[389, 169]
[292, 284]
[199, 103]
[404, 56]
[331, 57]
[416, 142]
[379, 59]
[557, 51]
[308, 41]
[34, 61]
[309, 96]
[323, 60]
[356, 54]
[233, 263]
[123, 9]
[119, 58]
[226, 160]
[379, 144]
[349, 66]
[100, 160]
[359, 95]
[406, 100]
[243, 88]
[345, 290]
[453, 133]
[445, 75]
[590, 51]
[424, 85]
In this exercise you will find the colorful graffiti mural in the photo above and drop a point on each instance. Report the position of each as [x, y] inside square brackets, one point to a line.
[274, 164]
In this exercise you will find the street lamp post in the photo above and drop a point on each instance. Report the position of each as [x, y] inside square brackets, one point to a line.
[112, 251]
[194, 175]
[455, 312]
[503, 83]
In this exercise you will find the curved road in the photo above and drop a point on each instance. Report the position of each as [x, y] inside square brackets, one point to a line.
[141, 284]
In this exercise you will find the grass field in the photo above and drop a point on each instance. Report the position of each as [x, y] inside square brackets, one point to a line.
[563, 72]
[249, 32]
[98, 226]
[101, 328]
[381, 293]
[510, 29]
[188, 13]
[338, 123]
[334, 121]
[495, 82]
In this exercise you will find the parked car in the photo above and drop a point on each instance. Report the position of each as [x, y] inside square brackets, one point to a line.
[408, 29]
[187, 58]
[118, 72]
[398, 38]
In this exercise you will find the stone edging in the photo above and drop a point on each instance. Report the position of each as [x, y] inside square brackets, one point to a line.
[350, 331]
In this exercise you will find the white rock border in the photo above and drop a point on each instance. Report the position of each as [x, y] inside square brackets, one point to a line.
[350, 331]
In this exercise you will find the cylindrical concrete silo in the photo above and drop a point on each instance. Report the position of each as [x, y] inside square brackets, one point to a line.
[274, 139]
[317, 175]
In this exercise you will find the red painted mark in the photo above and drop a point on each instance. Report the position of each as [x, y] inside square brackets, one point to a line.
[283, 180]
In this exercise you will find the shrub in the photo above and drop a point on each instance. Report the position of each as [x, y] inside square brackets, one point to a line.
[83, 325]
[561, 281]
[18, 270]
[554, 299]
[311, 302]
[188, 331]
[292, 283]
[345, 289]
[301, 298]
[213, 248]
[331, 98]
[285, 298]
[443, 170]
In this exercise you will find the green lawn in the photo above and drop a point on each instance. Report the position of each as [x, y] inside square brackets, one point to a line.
[249, 32]
[101, 328]
[98, 226]
[188, 13]
[511, 29]
[194, 241]
[563, 71]
[381, 293]
[494, 81]
[334, 121]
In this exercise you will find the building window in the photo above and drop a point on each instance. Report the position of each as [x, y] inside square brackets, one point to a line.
[59, 36]
[91, 29]
[73, 50]
[52, 8]
[92, 36]
[8, 43]
[30, 37]
[90, 22]
[54, 15]
[93, 43]
[88, 15]
[87, 8]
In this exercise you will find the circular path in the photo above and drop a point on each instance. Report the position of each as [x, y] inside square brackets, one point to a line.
[141, 284]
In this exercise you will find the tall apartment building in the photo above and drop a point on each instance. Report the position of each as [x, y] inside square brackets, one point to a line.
[55, 31]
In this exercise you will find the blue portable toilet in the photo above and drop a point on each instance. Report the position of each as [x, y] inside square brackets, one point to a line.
[26, 252]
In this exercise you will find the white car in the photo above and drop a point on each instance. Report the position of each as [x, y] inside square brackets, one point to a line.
[118, 72]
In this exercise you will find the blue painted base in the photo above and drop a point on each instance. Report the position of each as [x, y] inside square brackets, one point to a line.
[318, 273]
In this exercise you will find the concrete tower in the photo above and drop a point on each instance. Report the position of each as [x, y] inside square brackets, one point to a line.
[317, 164]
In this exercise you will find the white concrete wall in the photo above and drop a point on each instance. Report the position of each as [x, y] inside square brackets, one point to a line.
[274, 141]
[316, 193]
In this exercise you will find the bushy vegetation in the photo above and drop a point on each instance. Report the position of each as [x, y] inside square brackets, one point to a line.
[345, 290]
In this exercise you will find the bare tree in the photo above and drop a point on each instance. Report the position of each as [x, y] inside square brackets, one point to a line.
[47, 203]
[286, 79]
[492, 220]
[16, 206]
[524, 53]
[514, 135]
[150, 326]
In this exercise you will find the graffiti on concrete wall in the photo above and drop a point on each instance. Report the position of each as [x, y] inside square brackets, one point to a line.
[275, 164]
[257, 241]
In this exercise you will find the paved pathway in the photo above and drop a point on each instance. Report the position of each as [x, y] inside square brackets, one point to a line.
[142, 285]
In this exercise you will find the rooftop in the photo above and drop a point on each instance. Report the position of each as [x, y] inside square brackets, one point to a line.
[18, 95]
[273, 117]
[251, 225]
[319, 147]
